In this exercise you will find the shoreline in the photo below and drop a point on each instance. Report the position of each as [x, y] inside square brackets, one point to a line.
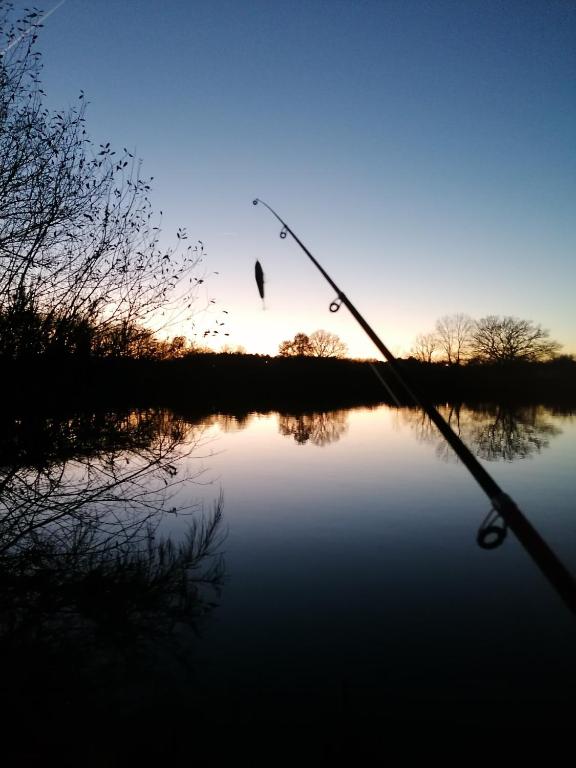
[227, 383]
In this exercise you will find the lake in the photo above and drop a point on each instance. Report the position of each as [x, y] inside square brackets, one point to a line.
[350, 584]
[353, 564]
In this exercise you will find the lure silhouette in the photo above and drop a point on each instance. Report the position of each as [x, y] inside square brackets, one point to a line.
[259, 275]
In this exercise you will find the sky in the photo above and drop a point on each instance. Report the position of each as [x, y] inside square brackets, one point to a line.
[423, 150]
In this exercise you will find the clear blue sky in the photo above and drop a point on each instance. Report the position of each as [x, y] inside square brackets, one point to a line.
[424, 151]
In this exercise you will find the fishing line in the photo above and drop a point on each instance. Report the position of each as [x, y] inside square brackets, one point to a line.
[385, 384]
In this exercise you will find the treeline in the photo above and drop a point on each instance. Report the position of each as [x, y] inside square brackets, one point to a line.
[26, 333]
[458, 339]
[213, 383]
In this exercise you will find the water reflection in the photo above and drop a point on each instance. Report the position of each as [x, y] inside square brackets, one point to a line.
[492, 532]
[492, 432]
[509, 433]
[320, 428]
[114, 473]
[229, 422]
[96, 608]
[98, 617]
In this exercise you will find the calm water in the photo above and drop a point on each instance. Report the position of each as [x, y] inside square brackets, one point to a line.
[348, 586]
[354, 578]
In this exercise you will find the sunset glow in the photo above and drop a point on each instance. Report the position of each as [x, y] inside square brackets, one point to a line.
[423, 152]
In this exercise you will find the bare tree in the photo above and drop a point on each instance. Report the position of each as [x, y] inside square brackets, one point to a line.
[509, 339]
[425, 347]
[326, 344]
[79, 245]
[454, 333]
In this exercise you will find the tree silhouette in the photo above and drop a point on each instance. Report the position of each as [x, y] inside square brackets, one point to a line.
[299, 346]
[510, 339]
[491, 339]
[79, 245]
[453, 333]
[425, 347]
[326, 344]
[318, 344]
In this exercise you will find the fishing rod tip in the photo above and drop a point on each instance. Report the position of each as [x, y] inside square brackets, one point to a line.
[255, 201]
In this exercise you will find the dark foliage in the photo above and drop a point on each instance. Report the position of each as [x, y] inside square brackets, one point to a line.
[82, 269]
[97, 610]
[318, 344]
[205, 383]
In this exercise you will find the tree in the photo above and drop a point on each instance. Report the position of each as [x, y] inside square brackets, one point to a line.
[509, 339]
[453, 333]
[425, 346]
[79, 246]
[318, 344]
[326, 344]
[299, 346]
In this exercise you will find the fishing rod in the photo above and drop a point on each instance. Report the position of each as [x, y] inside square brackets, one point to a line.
[504, 506]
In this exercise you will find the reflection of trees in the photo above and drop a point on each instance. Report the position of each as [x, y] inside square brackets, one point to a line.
[493, 432]
[111, 473]
[510, 433]
[231, 423]
[38, 440]
[321, 428]
[226, 422]
[56, 588]
[93, 602]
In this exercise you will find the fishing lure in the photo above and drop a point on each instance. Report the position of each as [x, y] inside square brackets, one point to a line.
[259, 275]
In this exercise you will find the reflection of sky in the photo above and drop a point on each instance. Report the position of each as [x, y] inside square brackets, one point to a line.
[357, 561]
[423, 151]
[378, 474]
[313, 468]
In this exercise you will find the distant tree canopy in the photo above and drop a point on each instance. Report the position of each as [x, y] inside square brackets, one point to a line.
[299, 346]
[80, 257]
[506, 339]
[425, 347]
[318, 344]
[494, 338]
[453, 334]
